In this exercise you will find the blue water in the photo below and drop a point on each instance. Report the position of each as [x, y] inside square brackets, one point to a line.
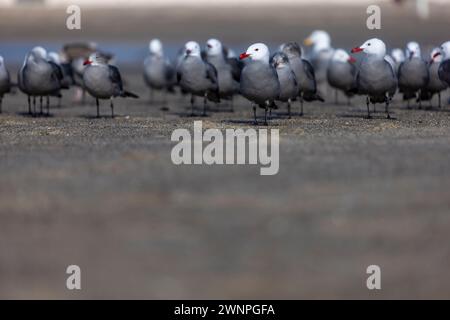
[14, 52]
[132, 53]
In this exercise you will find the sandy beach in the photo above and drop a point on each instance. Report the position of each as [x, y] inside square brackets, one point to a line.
[104, 194]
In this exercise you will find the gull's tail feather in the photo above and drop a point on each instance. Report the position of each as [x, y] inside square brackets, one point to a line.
[313, 97]
[128, 94]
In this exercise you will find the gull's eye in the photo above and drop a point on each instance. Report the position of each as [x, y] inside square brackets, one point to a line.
[256, 49]
[368, 44]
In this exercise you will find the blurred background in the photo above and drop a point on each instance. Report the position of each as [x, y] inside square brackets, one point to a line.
[125, 27]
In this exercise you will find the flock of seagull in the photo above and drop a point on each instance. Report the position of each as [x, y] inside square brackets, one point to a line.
[216, 73]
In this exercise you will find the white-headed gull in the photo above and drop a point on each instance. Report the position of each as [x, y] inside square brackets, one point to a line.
[413, 75]
[103, 81]
[196, 76]
[259, 80]
[159, 74]
[341, 73]
[228, 86]
[375, 78]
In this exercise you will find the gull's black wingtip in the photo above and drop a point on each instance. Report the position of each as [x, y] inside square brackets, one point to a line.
[128, 94]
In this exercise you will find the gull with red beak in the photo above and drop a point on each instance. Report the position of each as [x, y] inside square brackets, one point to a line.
[444, 67]
[375, 78]
[103, 81]
[435, 85]
[413, 75]
[341, 73]
[259, 80]
[197, 77]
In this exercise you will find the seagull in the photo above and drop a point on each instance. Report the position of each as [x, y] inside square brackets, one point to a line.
[341, 72]
[435, 85]
[197, 77]
[444, 67]
[398, 56]
[5, 82]
[66, 68]
[234, 62]
[304, 73]
[62, 71]
[76, 53]
[103, 81]
[286, 77]
[413, 74]
[228, 86]
[375, 78]
[159, 73]
[391, 61]
[38, 77]
[259, 80]
[320, 55]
